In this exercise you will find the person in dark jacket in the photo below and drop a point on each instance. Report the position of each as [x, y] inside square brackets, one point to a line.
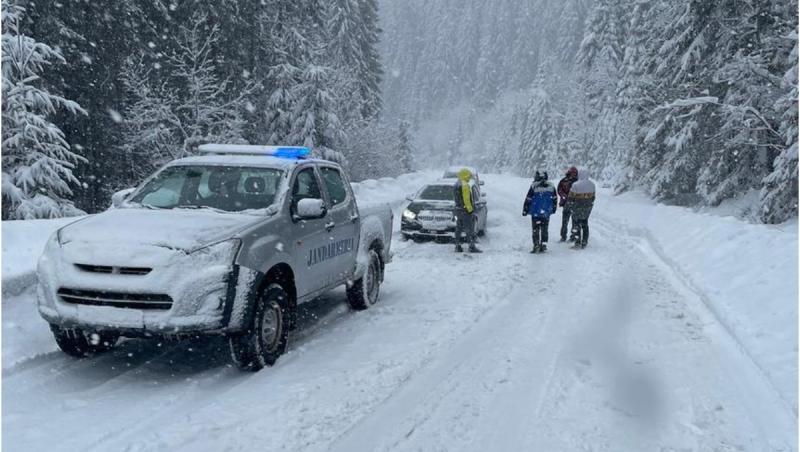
[580, 202]
[540, 203]
[464, 211]
[563, 190]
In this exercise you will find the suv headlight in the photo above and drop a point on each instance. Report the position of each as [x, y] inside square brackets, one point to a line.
[218, 253]
[409, 215]
[51, 248]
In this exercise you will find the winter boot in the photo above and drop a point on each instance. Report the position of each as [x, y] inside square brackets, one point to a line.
[459, 249]
[474, 249]
[535, 249]
[543, 247]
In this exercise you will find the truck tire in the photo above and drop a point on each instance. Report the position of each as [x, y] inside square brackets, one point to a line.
[365, 291]
[79, 343]
[267, 337]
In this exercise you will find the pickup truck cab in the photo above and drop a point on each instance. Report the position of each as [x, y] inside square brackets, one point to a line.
[228, 242]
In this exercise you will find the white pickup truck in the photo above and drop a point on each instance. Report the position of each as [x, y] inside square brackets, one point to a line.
[228, 242]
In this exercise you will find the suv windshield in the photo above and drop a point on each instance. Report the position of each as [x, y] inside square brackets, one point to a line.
[228, 188]
[437, 193]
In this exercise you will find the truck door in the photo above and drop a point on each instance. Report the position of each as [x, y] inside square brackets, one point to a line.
[343, 214]
[310, 238]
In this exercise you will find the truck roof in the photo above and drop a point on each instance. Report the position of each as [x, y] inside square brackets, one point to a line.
[266, 161]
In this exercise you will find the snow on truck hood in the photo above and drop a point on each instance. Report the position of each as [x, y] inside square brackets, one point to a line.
[117, 230]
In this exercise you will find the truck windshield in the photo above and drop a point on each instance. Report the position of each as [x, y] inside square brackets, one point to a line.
[437, 193]
[227, 188]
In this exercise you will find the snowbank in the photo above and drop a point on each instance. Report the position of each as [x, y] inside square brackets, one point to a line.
[23, 242]
[745, 273]
[392, 191]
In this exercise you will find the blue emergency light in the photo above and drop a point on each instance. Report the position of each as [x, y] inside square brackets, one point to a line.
[287, 152]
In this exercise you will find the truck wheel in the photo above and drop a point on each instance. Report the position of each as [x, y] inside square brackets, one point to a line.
[364, 292]
[79, 343]
[266, 338]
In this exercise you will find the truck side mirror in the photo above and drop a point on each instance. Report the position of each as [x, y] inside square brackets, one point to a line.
[482, 182]
[310, 209]
[119, 197]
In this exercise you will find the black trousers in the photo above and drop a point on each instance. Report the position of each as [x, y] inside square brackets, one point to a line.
[565, 216]
[540, 228]
[580, 229]
[464, 226]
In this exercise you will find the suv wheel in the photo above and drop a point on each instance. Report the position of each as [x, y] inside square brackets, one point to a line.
[266, 338]
[79, 343]
[364, 292]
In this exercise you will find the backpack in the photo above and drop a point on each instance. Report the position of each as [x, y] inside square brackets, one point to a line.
[543, 201]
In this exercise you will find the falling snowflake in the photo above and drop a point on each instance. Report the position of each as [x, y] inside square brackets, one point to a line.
[115, 116]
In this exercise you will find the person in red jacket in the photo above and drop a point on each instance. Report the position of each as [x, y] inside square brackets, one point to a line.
[564, 185]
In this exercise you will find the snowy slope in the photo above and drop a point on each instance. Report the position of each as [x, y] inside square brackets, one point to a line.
[23, 242]
[618, 347]
[745, 273]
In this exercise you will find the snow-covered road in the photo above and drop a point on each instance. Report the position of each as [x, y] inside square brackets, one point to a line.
[601, 349]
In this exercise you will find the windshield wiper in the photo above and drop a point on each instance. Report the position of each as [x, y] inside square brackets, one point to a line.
[150, 206]
[194, 206]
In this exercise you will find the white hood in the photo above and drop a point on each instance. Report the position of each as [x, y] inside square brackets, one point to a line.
[125, 231]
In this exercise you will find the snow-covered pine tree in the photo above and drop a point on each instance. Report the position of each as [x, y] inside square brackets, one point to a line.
[749, 83]
[281, 24]
[37, 160]
[634, 96]
[209, 111]
[167, 119]
[405, 147]
[371, 67]
[151, 129]
[314, 114]
[779, 194]
[675, 130]
[600, 56]
[540, 132]
[350, 53]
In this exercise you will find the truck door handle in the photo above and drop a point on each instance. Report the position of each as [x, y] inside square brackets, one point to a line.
[329, 226]
[354, 217]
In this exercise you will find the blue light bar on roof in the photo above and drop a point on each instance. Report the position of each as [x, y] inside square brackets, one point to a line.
[289, 152]
[294, 152]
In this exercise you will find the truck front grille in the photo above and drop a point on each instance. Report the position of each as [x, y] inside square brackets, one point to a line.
[116, 299]
[114, 270]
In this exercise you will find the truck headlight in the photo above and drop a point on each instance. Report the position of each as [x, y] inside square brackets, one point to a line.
[409, 215]
[220, 252]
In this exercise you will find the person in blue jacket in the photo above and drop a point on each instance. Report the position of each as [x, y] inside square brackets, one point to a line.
[540, 203]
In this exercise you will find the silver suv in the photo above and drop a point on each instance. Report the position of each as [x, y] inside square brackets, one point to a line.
[225, 243]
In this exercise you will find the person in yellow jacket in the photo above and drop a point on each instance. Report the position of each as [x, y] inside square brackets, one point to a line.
[464, 211]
